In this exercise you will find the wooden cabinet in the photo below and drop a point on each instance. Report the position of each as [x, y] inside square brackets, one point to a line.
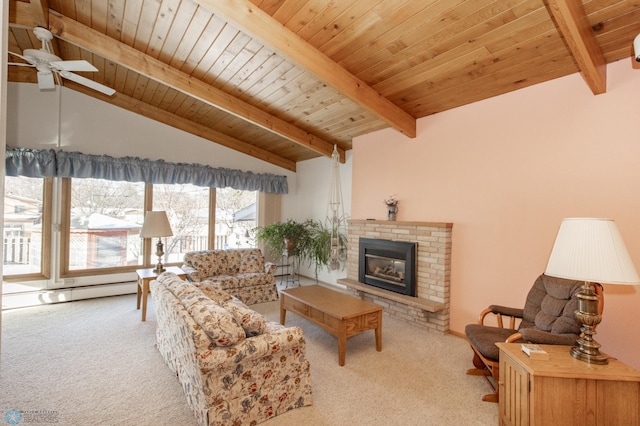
[565, 391]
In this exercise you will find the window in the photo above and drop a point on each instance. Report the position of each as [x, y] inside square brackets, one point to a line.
[27, 228]
[103, 220]
[187, 208]
[236, 212]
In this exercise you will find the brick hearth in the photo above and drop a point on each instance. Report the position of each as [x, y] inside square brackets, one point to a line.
[430, 307]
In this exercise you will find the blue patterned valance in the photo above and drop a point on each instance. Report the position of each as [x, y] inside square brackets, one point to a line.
[30, 162]
[48, 163]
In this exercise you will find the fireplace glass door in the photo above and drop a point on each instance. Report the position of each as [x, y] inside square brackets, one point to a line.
[386, 264]
[385, 269]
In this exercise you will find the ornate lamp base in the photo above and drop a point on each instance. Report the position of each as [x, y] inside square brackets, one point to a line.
[587, 348]
[597, 358]
[159, 252]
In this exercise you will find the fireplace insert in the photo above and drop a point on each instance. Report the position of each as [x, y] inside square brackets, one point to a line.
[387, 264]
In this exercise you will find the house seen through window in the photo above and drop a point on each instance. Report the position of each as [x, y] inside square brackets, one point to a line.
[22, 235]
[105, 218]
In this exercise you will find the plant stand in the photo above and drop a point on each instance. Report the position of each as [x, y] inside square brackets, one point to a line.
[290, 268]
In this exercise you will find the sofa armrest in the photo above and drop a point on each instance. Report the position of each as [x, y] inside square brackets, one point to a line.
[270, 268]
[277, 339]
[192, 273]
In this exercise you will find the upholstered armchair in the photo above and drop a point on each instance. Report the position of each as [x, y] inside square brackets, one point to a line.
[547, 318]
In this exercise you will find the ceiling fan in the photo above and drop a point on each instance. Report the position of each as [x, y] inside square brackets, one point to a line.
[50, 67]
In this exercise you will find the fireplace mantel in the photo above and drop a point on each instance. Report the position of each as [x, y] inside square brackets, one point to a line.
[430, 307]
[397, 223]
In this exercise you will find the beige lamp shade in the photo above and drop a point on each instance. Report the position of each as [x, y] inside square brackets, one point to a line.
[156, 224]
[591, 250]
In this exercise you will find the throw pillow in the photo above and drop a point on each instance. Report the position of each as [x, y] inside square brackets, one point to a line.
[218, 323]
[251, 263]
[251, 322]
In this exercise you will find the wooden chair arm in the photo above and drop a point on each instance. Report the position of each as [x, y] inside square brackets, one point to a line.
[500, 312]
[483, 314]
[513, 338]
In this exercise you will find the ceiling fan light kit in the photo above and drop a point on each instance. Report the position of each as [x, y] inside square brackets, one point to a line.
[49, 65]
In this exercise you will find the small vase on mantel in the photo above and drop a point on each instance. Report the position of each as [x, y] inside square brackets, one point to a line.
[392, 207]
[391, 212]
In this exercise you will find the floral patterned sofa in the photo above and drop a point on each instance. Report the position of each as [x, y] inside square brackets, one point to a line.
[235, 367]
[240, 272]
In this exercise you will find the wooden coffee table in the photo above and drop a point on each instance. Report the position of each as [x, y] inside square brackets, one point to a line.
[340, 314]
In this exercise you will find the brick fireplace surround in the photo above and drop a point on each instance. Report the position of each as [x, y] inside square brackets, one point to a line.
[430, 307]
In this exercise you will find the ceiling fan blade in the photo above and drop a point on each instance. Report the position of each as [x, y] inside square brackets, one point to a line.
[88, 83]
[79, 65]
[21, 57]
[20, 64]
[45, 80]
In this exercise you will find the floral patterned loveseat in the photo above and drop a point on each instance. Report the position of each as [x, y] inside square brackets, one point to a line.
[235, 367]
[240, 272]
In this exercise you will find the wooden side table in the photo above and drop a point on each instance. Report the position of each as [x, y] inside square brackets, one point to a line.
[145, 276]
[565, 391]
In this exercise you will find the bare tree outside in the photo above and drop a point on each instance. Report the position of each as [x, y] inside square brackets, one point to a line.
[236, 217]
[106, 197]
[23, 187]
[187, 208]
[106, 217]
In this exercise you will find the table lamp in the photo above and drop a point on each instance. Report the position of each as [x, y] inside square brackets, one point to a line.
[156, 224]
[591, 251]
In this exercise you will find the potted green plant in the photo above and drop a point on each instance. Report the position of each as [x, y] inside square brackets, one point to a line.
[291, 236]
[327, 246]
[310, 241]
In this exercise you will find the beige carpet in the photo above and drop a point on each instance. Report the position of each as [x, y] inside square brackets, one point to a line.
[94, 363]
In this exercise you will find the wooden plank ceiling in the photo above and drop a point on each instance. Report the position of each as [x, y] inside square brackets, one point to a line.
[286, 80]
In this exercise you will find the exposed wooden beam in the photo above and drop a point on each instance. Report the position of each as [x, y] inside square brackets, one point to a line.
[572, 22]
[112, 50]
[22, 75]
[40, 10]
[138, 107]
[252, 20]
[21, 15]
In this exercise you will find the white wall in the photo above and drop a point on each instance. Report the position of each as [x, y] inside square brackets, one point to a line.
[312, 197]
[91, 126]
